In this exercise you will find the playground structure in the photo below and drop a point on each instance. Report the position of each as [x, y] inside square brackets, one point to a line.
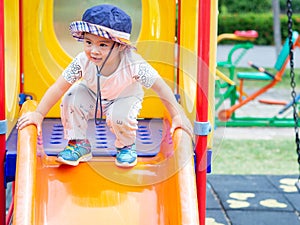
[224, 82]
[227, 88]
[165, 188]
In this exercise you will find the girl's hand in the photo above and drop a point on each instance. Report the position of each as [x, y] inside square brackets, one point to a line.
[181, 121]
[29, 118]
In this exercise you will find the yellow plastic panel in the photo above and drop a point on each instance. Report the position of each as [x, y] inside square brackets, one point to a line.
[12, 61]
[188, 56]
[44, 59]
[212, 67]
[156, 44]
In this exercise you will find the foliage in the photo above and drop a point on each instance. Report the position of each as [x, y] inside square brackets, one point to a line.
[241, 6]
[262, 23]
[295, 5]
[255, 6]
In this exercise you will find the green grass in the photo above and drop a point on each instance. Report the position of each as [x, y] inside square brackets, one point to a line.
[276, 156]
[254, 156]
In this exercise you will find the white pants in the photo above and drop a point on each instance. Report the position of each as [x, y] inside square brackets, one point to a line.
[78, 106]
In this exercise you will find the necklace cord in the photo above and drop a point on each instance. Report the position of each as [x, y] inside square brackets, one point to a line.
[99, 100]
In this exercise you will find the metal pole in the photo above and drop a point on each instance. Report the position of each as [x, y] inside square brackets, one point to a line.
[202, 102]
[276, 25]
[178, 46]
[21, 46]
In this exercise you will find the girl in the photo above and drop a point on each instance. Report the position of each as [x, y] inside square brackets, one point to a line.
[110, 64]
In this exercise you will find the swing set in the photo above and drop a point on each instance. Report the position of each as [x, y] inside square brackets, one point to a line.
[293, 86]
[239, 98]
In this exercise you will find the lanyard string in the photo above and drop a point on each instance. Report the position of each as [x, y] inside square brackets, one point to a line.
[98, 100]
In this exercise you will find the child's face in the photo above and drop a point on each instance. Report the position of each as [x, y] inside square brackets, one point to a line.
[97, 48]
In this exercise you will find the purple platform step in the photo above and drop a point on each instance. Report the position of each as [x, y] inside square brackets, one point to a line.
[149, 137]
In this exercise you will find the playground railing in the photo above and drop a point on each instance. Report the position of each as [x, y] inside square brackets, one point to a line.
[238, 97]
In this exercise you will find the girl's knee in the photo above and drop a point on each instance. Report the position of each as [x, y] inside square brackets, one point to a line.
[75, 97]
[121, 120]
[117, 119]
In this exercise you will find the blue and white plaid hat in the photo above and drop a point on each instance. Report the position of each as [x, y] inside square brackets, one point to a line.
[106, 21]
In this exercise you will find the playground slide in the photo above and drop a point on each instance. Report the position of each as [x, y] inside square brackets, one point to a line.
[159, 190]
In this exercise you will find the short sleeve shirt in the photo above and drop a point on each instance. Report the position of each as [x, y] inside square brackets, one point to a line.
[131, 75]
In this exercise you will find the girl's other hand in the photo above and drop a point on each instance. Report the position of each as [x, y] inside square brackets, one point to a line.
[181, 121]
[35, 118]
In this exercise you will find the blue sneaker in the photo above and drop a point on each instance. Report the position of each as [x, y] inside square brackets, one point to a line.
[126, 156]
[77, 151]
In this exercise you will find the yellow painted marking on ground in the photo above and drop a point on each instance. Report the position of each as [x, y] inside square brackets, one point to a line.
[288, 185]
[272, 203]
[241, 196]
[212, 221]
[235, 204]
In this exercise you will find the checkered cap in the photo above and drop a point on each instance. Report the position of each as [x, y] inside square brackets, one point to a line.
[106, 21]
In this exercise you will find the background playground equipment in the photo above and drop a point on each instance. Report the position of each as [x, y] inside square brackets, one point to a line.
[34, 58]
[225, 85]
[239, 98]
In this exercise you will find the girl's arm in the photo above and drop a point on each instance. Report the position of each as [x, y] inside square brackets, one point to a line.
[50, 98]
[179, 119]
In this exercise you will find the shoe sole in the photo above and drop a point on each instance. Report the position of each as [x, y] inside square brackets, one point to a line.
[83, 158]
[126, 164]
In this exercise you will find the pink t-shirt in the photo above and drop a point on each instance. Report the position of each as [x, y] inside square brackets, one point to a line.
[132, 73]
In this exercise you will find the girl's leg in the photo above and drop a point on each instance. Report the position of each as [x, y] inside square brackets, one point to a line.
[121, 118]
[77, 107]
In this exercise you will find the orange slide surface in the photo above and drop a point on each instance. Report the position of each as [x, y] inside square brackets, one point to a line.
[159, 190]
